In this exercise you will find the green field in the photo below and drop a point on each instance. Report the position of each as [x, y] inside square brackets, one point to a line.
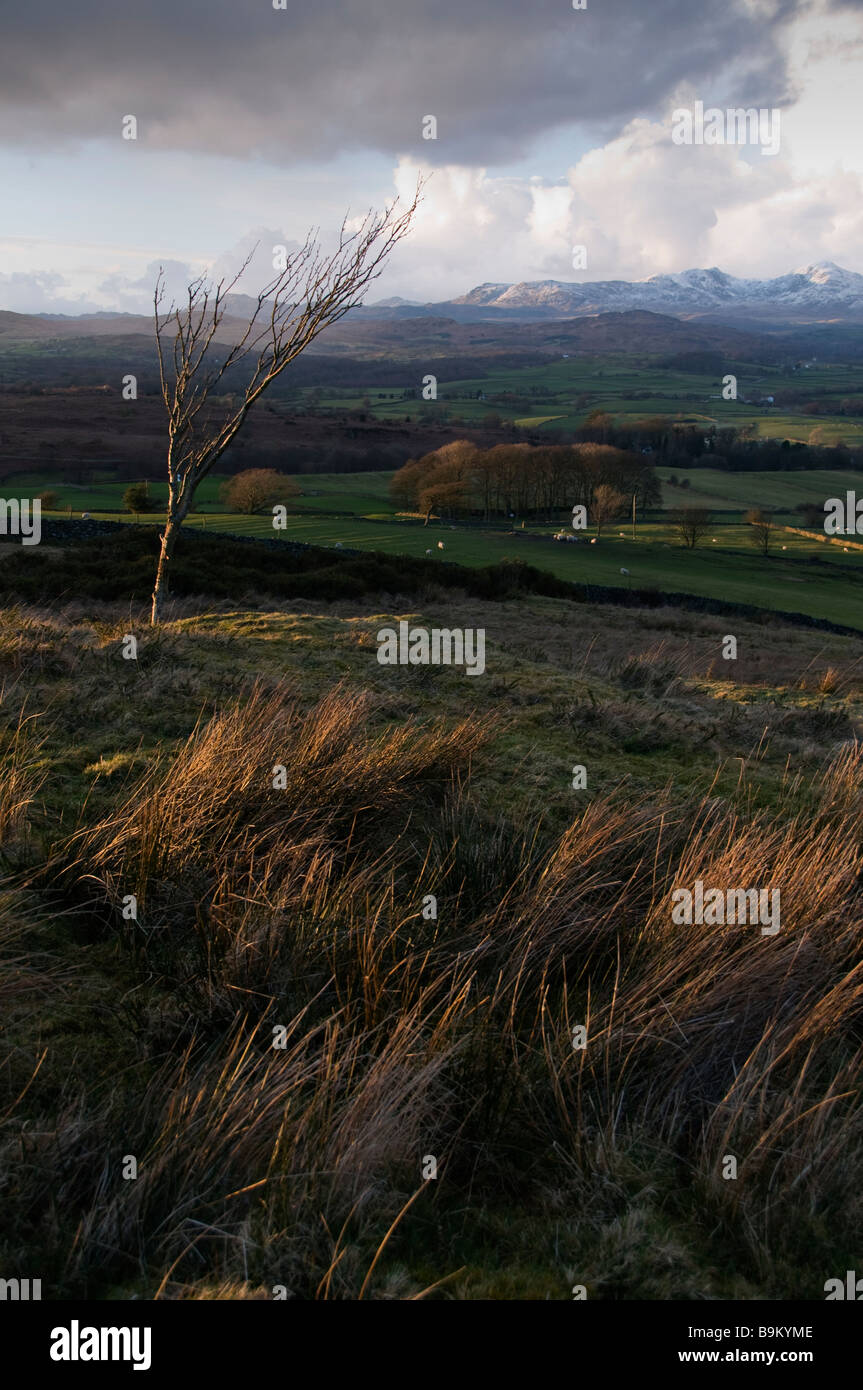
[804, 574]
[778, 492]
[562, 393]
[359, 493]
[827, 584]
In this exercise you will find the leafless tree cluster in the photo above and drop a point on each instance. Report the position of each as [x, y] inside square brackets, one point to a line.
[522, 479]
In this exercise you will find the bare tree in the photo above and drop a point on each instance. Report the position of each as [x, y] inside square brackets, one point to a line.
[314, 290]
[762, 529]
[605, 505]
[691, 524]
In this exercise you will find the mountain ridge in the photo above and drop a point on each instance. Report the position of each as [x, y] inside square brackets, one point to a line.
[820, 292]
[819, 285]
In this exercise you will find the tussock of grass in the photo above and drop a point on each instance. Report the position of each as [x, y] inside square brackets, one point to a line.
[213, 809]
[23, 777]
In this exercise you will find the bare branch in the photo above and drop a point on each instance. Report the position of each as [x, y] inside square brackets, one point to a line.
[313, 291]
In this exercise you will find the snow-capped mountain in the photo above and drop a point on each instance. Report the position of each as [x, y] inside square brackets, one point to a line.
[819, 287]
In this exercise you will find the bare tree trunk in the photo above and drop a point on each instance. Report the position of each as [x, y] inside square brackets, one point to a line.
[160, 592]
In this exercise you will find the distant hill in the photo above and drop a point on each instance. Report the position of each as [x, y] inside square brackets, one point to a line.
[696, 311]
[822, 296]
[420, 337]
[813, 293]
[630, 332]
[29, 327]
[819, 293]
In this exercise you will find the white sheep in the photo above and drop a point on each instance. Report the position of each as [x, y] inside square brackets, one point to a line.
[440, 545]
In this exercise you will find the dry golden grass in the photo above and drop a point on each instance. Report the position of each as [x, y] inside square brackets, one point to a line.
[406, 1035]
[23, 777]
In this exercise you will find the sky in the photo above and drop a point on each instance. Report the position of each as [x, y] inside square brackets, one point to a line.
[553, 131]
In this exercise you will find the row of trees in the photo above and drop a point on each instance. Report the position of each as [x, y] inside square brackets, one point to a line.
[524, 480]
[692, 524]
[673, 443]
[255, 490]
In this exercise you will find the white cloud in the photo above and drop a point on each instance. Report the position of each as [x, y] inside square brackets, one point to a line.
[639, 203]
[41, 292]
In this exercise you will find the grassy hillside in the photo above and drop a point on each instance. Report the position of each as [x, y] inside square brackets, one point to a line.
[409, 1036]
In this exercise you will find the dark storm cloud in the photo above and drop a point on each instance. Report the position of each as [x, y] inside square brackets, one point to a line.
[329, 76]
